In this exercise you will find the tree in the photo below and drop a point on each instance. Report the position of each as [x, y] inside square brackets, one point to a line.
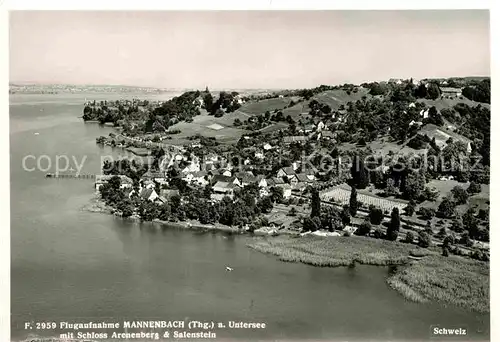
[331, 218]
[442, 233]
[466, 240]
[474, 188]
[414, 186]
[311, 224]
[426, 213]
[483, 214]
[448, 241]
[430, 194]
[353, 202]
[409, 210]
[359, 173]
[391, 189]
[364, 229]
[276, 194]
[378, 233]
[376, 215]
[433, 91]
[409, 238]
[424, 239]
[265, 204]
[446, 208]
[470, 222]
[394, 225]
[219, 113]
[457, 226]
[460, 194]
[346, 215]
[315, 203]
[208, 101]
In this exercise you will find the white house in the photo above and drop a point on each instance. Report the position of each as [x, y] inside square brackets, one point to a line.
[424, 113]
[125, 182]
[320, 126]
[259, 155]
[222, 189]
[288, 172]
[148, 194]
[262, 182]
[287, 190]
[267, 147]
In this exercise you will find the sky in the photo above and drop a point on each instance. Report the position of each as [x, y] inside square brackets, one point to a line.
[245, 49]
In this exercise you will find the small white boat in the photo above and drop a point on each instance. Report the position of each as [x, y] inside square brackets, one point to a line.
[229, 269]
[36, 133]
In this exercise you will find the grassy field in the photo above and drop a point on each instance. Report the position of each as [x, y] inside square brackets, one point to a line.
[449, 103]
[453, 280]
[339, 251]
[228, 134]
[338, 97]
[260, 107]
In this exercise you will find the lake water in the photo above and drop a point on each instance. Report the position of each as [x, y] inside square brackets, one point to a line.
[76, 266]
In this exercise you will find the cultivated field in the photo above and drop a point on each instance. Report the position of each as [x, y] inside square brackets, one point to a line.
[201, 123]
[260, 107]
[342, 196]
[449, 103]
[338, 97]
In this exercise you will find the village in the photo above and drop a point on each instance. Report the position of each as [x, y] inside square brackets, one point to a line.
[308, 143]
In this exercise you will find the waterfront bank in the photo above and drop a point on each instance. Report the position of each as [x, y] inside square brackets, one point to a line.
[448, 280]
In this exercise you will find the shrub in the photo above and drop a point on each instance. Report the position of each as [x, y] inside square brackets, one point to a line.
[466, 240]
[409, 210]
[378, 233]
[447, 208]
[442, 233]
[424, 239]
[448, 241]
[364, 229]
[460, 194]
[409, 237]
[426, 213]
[457, 226]
[376, 215]
[474, 188]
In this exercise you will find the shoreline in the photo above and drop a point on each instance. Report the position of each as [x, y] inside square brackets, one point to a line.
[97, 206]
[449, 280]
[422, 274]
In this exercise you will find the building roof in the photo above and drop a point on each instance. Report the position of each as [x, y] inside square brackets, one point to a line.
[105, 178]
[295, 138]
[451, 90]
[326, 134]
[168, 193]
[222, 186]
[200, 174]
[222, 178]
[146, 193]
[302, 177]
[275, 181]
[150, 174]
[289, 171]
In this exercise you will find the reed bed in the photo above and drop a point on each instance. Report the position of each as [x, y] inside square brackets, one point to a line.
[453, 280]
[450, 280]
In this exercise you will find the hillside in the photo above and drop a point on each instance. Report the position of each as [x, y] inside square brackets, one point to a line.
[442, 103]
[261, 106]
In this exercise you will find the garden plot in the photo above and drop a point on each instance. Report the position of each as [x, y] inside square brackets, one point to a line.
[343, 196]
